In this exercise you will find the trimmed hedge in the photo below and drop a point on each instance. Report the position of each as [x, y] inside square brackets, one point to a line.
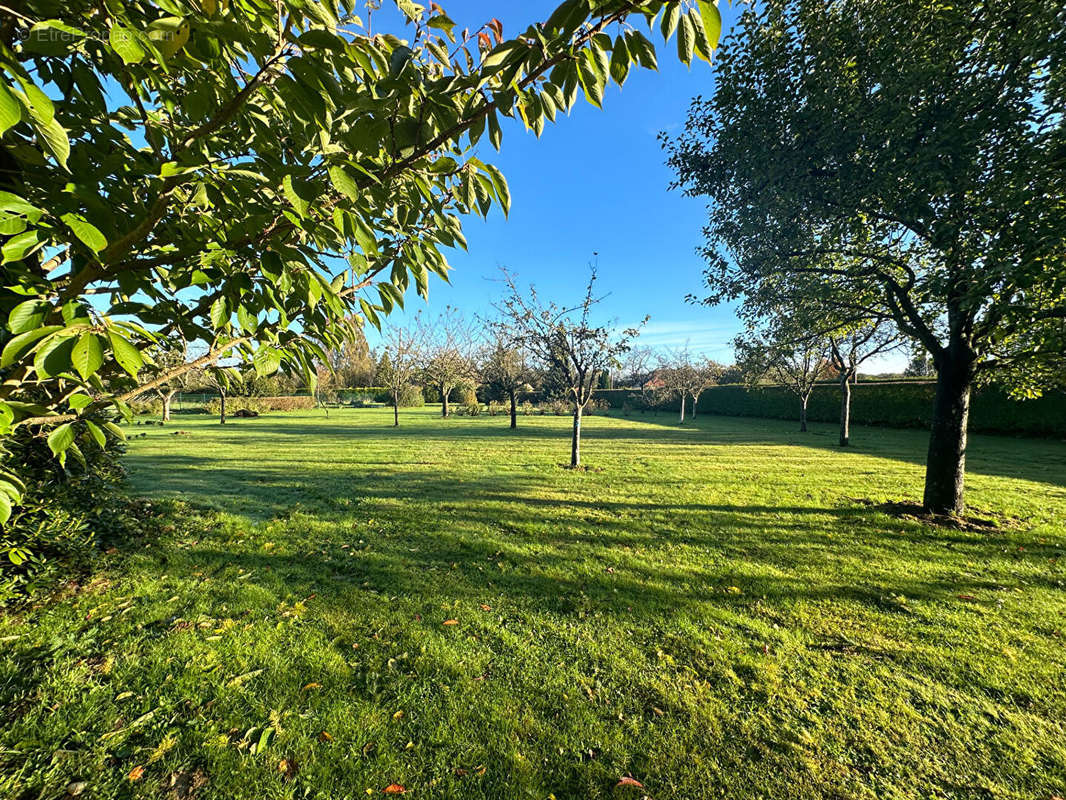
[895, 405]
[262, 405]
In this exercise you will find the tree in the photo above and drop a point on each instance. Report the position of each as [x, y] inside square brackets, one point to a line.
[351, 363]
[167, 358]
[685, 377]
[920, 364]
[506, 369]
[224, 156]
[850, 347]
[401, 358]
[222, 379]
[777, 356]
[565, 342]
[917, 177]
[448, 352]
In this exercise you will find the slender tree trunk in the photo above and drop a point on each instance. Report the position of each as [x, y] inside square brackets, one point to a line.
[682, 419]
[396, 411]
[222, 409]
[845, 410]
[444, 401]
[167, 399]
[695, 401]
[514, 410]
[803, 413]
[575, 444]
[945, 467]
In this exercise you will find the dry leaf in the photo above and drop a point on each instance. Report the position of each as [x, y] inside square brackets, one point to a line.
[485, 607]
[136, 773]
[395, 788]
[311, 686]
[450, 622]
[287, 767]
[325, 737]
[971, 598]
[627, 781]
[398, 715]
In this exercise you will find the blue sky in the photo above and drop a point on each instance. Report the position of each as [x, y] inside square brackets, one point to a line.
[594, 181]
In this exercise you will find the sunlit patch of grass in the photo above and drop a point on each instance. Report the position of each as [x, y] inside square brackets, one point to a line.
[710, 610]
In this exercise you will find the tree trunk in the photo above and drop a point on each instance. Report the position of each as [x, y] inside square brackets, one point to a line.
[945, 467]
[514, 410]
[682, 420]
[845, 410]
[222, 409]
[575, 445]
[167, 399]
[396, 412]
[695, 401]
[803, 413]
[444, 401]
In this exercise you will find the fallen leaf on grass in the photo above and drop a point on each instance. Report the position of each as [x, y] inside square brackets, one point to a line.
[287, 767]
[969, 597]
[398, 715]
[627, 781]
[486, 607]
[450, 622]
[311, 686]
[395, 788]
[325, 737]
[136, 773]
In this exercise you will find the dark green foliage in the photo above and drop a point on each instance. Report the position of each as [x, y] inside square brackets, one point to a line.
[65, 518]
[896, 405]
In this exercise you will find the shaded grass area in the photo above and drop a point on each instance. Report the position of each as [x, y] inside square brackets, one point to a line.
[711, 611]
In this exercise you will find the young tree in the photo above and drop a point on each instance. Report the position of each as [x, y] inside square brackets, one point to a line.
[685, 376]
[706, 374]
[565, 341]
[917, 177]
[448, 352]
[222, 379]
[224, 155]
[848, 348]
[402, 355]
[780, 357]
[506, 369]
[169, 357]
[638, 369]
[920, 365]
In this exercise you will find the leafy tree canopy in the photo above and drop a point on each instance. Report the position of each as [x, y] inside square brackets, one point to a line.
[201, 168]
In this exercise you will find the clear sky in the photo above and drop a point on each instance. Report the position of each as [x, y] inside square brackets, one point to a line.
[594, 181]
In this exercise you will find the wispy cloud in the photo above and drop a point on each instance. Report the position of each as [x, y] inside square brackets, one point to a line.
[707, 338]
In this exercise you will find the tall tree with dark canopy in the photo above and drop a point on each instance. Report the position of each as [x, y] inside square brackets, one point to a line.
[566, 342]
[898, 158]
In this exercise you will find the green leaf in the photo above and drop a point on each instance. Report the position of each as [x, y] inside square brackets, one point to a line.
[5, 513]
[686, 39]
[27, 316]
[18, 345]
[79, 401]
[88, 233]
[266, 360]
[19, 246]
[219, 313]
[39, 104]
[54, 357]
[96, 433]
[589, 77]
[298, 203]
[712, 21]
[620, 60]
[87, 355]
[53, 138]
[644, 50]
[126, 44]
[127, 356]
[61, 438]
[344, 183]
[671, 15]
[10, 108]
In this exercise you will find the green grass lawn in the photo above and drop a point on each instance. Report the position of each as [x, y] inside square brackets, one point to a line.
[715, 610]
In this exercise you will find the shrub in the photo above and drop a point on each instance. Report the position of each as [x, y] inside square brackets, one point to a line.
[465, 394]
[527, 408]
[65, 516]
[410, 397]
[147, 406]
[497, 408]
[261, 405]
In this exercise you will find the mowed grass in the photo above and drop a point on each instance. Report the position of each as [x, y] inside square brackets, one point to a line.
[713, 609]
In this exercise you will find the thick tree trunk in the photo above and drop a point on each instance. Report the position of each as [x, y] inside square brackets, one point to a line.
[845, 411]
[945, 467]
[444, 402]
[222, 409]
[396, 413]
[575, 444]
[682, 419]
[514, 410]
[803, 414]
